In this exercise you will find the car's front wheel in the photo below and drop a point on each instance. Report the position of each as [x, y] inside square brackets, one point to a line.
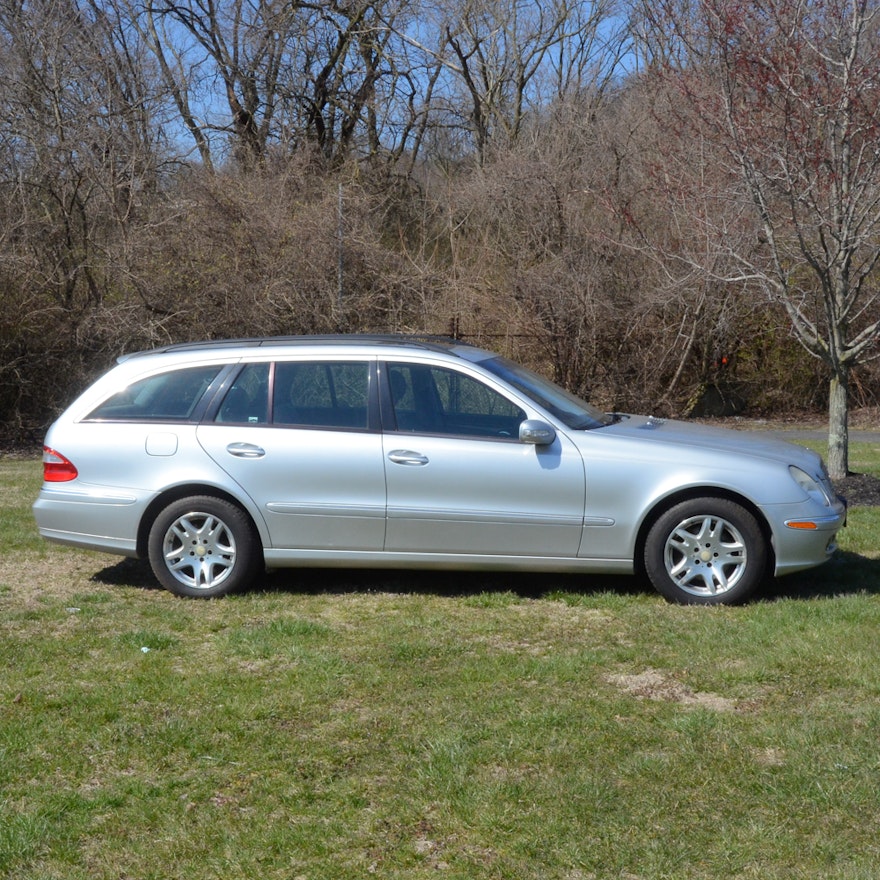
[203, 547]
[706, 551]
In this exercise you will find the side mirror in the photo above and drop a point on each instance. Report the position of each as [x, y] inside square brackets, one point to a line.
[536, 432]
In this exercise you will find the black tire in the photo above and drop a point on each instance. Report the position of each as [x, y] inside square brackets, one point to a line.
[706, 551]
[203, 547]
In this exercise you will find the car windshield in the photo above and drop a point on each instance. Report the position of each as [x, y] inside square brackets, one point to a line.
[567, 407]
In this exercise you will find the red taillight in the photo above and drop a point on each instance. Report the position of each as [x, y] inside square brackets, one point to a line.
[56, 468]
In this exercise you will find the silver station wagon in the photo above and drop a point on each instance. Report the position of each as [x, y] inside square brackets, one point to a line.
[218, 460]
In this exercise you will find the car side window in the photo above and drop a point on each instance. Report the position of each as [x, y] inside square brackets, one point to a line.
[171, 396]
[247, 401]
[332, 394]
[435, 400]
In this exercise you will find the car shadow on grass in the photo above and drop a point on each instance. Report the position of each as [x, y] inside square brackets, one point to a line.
[127, 573]
[846, 573]
[525, 585]
[314, 581]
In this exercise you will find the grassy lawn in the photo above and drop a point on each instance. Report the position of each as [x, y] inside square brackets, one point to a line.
[337, 725]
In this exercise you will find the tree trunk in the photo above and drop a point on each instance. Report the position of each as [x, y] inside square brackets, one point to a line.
[838, 424]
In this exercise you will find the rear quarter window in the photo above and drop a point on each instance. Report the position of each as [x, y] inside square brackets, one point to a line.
[171, 396]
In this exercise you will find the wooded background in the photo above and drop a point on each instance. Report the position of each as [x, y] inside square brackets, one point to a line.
[616, 193]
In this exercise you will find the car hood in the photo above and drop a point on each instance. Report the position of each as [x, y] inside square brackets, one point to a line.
[686, 435]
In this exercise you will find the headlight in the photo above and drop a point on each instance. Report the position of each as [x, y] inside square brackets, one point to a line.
[813, 489]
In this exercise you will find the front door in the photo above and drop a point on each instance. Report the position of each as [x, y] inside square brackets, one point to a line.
[459, 480]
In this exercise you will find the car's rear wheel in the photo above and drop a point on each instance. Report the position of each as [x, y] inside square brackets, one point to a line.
[203, 547]
[706, 551]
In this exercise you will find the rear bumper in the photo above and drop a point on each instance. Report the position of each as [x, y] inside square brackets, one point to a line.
[96, 520]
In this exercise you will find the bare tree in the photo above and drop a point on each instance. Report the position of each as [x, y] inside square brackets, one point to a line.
[789, 92]
[245, 45]
[373, 78]
[344, 57]
[81, 145]
[500, 60]
[327, 74]
[81, 142]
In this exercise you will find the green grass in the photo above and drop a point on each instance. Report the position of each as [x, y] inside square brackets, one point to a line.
[347, 725]
[864, 458]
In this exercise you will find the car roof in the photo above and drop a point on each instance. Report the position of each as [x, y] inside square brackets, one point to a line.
[424, 342]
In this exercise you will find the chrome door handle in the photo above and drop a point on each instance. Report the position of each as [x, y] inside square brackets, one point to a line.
[408, 458]
[245, 450]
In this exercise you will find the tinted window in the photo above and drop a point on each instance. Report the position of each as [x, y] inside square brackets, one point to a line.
[247, 400]
[433, 400]
[322, 395]
[167, 397]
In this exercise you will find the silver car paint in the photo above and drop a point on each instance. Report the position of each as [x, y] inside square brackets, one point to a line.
[625, 484]
[578, 504]
[477, 496]
[316, 489]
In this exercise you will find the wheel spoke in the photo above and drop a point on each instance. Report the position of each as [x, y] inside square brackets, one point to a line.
[705, 555]
[199, 550]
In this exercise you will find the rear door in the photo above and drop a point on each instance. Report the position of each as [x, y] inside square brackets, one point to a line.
[301, 438]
